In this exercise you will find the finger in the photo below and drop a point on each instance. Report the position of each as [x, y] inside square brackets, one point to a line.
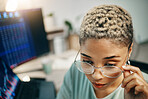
[130, 85]
[126, 73]
[133, 69]
[133, 76]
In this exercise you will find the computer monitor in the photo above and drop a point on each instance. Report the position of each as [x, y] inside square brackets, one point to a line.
[22, 36]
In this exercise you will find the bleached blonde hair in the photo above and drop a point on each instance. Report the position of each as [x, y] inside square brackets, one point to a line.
[109, 22]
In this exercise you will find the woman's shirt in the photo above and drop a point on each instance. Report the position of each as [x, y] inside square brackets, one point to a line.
[77, 86]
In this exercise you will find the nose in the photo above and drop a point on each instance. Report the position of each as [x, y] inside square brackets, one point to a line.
[97, 75]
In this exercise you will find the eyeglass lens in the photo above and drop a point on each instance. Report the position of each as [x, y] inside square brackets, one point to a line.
[109, 71]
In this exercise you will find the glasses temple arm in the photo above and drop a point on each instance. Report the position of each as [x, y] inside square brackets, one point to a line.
[77, 55]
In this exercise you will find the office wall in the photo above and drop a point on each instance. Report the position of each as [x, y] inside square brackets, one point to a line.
[2, 5]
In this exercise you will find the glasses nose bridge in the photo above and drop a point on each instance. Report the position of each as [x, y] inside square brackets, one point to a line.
[97, 67]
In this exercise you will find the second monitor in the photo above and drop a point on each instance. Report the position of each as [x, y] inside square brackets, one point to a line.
[22, 36]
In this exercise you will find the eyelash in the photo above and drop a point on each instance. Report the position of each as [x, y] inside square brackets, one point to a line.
[90, 62]
[87, 61]
[110, 64]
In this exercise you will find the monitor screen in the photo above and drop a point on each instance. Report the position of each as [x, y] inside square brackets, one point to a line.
[34, 20]
[22, 36]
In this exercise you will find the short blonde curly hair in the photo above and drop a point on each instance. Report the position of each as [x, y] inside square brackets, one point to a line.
[109, 22]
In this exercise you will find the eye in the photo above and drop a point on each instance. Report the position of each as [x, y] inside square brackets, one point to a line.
[109, 64]
[88, 61]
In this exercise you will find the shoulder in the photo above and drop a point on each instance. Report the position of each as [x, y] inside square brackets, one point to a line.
[66, 90]
[77, 84]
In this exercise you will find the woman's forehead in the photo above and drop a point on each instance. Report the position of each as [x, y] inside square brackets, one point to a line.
[102, 47]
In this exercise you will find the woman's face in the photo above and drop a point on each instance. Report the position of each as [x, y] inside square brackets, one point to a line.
[100, 53]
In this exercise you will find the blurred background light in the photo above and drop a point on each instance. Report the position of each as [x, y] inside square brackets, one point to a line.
[11, 5]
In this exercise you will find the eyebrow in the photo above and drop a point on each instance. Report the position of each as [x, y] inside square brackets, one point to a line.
[86, 55]
[110, 57]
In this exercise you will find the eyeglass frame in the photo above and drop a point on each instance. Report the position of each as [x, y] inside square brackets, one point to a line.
[99, 67]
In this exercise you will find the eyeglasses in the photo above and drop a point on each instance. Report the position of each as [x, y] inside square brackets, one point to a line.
[107, 71]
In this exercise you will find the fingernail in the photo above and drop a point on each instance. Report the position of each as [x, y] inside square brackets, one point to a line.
[123, 66]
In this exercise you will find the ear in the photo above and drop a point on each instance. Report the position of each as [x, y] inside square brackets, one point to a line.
[130, 50]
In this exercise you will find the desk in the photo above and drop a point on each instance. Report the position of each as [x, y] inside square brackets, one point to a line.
[61, 64]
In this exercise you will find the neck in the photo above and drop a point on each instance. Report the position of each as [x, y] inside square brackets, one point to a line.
[109, 89]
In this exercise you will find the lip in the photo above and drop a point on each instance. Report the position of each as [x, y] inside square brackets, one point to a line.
[99, 85]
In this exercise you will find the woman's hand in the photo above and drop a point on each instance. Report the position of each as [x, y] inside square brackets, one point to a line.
[135, 85]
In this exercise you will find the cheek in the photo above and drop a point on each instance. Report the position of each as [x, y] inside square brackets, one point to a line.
[110, 80]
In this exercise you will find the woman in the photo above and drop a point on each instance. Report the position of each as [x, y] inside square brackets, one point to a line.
[104, 70]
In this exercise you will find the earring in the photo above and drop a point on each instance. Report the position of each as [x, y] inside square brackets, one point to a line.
[128, 62]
